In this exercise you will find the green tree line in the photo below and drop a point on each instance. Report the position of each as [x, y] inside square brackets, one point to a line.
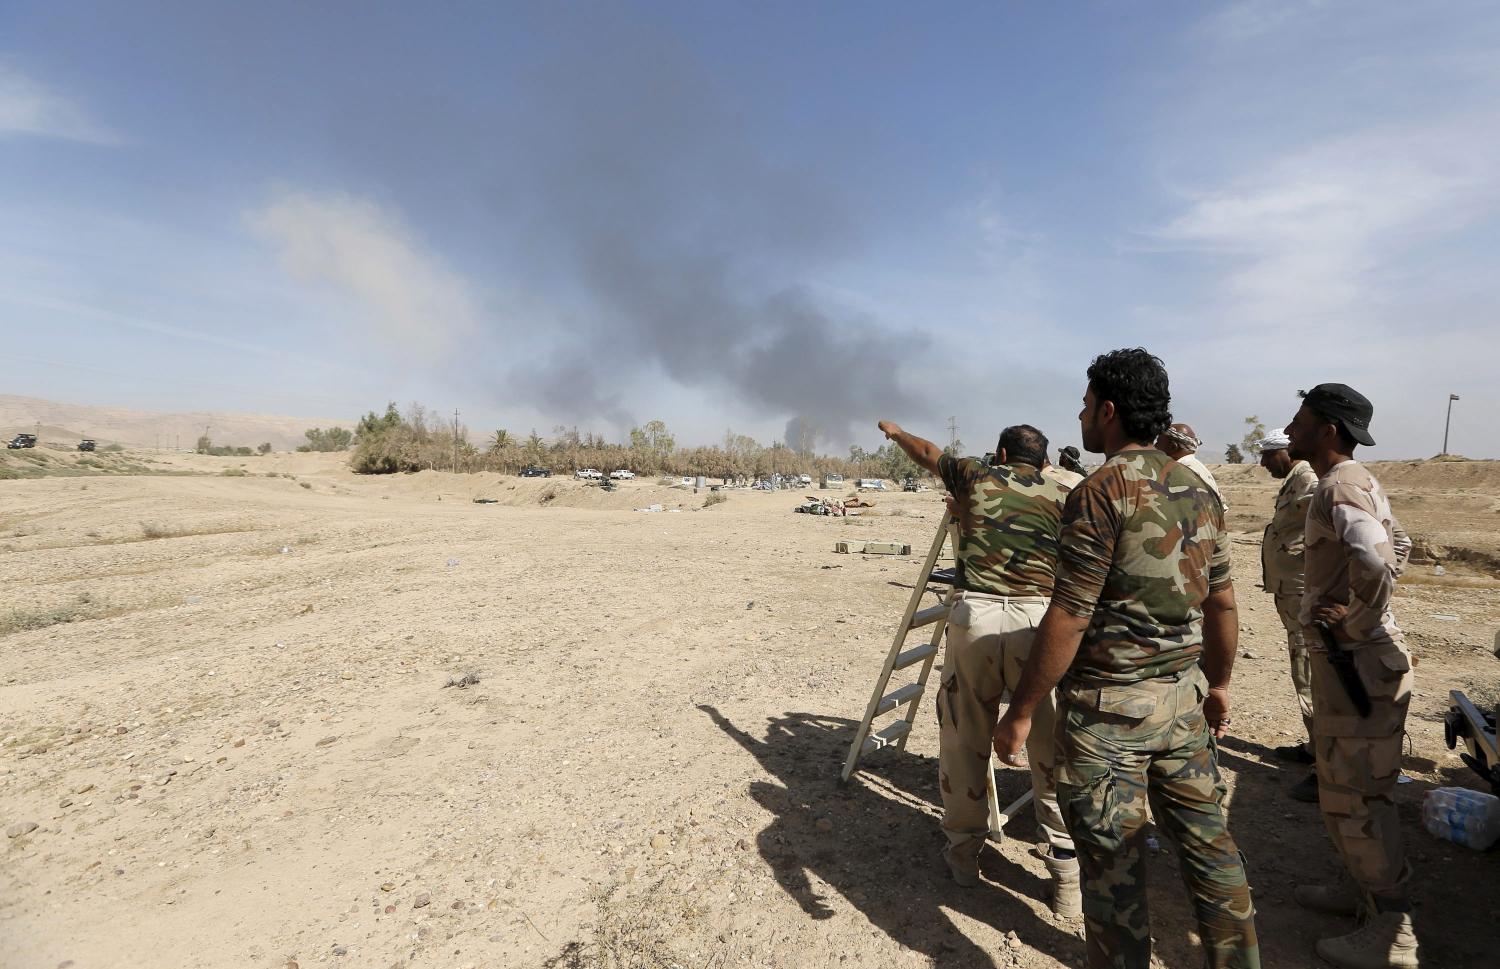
[417, 439]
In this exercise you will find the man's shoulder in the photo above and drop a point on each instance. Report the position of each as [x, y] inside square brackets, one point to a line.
[1023, 479]
[1349, 480]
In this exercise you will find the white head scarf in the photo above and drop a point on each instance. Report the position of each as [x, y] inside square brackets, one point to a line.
[1277, 440]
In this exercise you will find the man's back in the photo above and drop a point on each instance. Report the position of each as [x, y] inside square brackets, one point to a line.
[1009, 520]
[1143, 545]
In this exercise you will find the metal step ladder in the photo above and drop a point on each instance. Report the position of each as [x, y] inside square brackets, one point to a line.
[907, 699]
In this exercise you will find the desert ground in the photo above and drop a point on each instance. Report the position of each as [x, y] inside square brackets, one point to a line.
[223, 709]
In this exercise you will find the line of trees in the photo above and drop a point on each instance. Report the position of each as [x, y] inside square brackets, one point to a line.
[418, 439]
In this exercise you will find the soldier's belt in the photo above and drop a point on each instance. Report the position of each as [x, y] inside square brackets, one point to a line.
[1138, 699]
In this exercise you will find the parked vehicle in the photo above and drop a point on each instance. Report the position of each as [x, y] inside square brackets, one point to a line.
[871, 484]
[86, 445]
[833, 481]
[589, 474]
[622, 475]
[805, 479]
[22, 440]
[533, 471]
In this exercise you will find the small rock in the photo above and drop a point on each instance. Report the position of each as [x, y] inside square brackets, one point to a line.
[388, 887]
[20, 828]
[1014, 942]
[327, 741]
[457, 906]
[659, 841]
[238, 743]
[83, 788]
[390, 909]
[422, 901]
[122, 729]
[339, 950]
[65, 802]
[1245, 653]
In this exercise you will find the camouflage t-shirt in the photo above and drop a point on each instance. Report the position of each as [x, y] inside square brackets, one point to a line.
[1143, 544]
[1008, 522]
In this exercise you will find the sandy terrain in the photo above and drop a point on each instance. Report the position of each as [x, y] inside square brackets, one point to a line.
[240, 750]
[65, 423]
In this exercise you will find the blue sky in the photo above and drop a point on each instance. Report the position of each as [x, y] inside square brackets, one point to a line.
[730, 215]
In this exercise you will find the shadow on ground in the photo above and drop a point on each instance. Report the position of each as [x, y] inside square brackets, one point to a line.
[876, 842]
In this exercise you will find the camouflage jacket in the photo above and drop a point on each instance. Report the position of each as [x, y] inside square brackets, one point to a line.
[1009, 518]
[1281, 545]
[1355, 550]
[1143, 544]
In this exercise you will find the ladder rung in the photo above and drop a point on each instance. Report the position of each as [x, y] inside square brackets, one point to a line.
[928, 616]
[913, 656]
[895, 698]
[887, 735]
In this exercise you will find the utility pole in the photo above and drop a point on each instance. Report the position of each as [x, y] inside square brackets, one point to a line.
[952, 433]
[1449, 420]
[455, 440]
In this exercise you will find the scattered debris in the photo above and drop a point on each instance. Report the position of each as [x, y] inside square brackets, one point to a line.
[486, 501]
[872, 548]
[20, 828]
[461, 680]
[1445, 617]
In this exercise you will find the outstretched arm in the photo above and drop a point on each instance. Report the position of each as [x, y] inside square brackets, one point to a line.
[920, 450]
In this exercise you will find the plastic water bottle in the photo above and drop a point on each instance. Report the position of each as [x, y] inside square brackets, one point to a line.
[1462, 816]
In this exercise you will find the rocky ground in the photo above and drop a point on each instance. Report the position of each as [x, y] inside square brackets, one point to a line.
[227, 736]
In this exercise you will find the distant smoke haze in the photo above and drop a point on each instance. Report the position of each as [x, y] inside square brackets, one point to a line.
[695, 255]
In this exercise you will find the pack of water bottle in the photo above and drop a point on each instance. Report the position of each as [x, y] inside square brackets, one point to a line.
[1462, 816]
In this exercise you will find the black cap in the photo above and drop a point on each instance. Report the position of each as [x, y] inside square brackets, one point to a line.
[1342, 405]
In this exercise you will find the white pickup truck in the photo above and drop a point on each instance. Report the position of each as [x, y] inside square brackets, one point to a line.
[622, 475]
[589, 474]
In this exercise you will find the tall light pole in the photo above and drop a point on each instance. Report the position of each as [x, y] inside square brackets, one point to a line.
[1449, 420]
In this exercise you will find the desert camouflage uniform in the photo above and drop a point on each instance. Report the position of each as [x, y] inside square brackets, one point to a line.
[1355, 551]
[1068, 479]
[1009, 518]
[1281, 575]
[1143, 545]
[1194, 464]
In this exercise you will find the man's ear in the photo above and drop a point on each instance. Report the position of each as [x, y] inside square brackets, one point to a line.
[1106, 411]
[1001, 457]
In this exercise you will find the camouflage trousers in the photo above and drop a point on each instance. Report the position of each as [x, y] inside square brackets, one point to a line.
[1287, 607]
[989, 640]
[1359, 759]
[1120, 748]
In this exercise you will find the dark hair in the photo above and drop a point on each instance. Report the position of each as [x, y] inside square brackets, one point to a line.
[1023, 444]
[1136, 383]
[1068, 457]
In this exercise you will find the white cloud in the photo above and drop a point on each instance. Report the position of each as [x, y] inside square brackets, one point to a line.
[1314, 234]
[29, 108]
[406, 293]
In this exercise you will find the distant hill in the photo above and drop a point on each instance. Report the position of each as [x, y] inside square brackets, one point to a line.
[66, 423]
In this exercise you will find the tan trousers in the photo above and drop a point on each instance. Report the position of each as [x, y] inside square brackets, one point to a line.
[989, 640]
[1359, 759]
[1287, 607]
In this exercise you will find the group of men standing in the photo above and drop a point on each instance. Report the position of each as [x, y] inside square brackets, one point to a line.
[1103, 607]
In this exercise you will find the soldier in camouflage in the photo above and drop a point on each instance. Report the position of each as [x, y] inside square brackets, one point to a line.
[1140, 639]
[1355, 550]
[1281, 576]
[1009, 516]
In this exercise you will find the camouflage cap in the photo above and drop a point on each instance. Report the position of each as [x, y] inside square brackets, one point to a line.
[1342, 405]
